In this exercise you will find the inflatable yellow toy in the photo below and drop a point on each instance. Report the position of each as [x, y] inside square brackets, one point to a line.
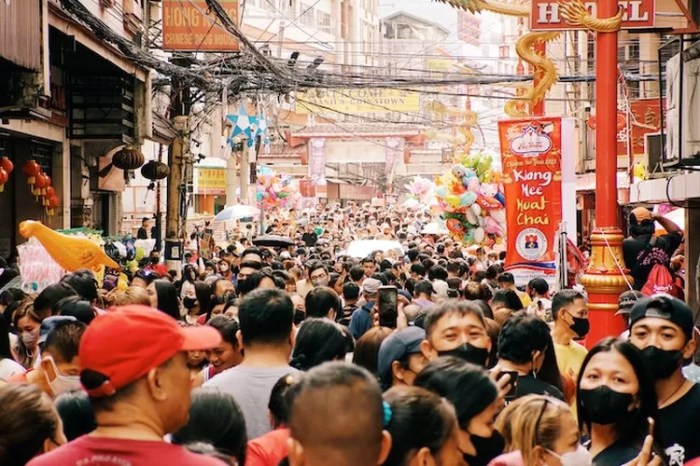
[70, 252]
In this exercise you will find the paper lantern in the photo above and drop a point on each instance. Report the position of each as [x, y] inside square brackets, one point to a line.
[7, 164]
[128, 158]
[153, 170]
[4, 176]
[31, 169]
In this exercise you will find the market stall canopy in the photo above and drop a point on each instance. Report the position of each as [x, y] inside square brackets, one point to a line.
[237, 211]
[364, 247]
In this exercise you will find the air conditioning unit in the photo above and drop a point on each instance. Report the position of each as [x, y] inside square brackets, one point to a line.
[654, 149]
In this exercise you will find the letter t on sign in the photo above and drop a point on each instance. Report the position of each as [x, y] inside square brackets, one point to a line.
[548, 13]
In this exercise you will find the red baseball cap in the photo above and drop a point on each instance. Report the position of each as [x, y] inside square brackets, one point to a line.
[122, 345]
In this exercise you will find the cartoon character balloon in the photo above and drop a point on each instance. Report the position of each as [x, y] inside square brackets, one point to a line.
[275, 190]
[470, 200]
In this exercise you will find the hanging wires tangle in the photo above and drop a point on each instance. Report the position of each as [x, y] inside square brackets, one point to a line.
[131, 50]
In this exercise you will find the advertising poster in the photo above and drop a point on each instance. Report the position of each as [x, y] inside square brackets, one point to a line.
[531, 158]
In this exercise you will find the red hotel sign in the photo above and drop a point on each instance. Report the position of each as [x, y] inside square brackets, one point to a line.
[545, 15]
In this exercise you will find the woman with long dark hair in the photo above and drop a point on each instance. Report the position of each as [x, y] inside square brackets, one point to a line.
[318, 341]
[164, 298]
[615, 397]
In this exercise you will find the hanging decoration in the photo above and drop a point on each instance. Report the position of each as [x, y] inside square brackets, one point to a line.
[153, 170]
[470, 201]
[275, 190]
[31, 169]
[6, 167]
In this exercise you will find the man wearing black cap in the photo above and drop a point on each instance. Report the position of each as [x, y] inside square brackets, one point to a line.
[624, 308]
[662, 328]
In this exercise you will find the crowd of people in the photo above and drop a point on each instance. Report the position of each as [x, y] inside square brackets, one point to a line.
[288, 355]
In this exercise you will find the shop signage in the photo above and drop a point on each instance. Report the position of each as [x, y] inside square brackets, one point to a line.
[546, 14]
[211, 181]
[531, 157]
[354, 101]
[189, 26]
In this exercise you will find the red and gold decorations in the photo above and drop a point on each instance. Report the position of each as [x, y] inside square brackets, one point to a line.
[41, 181]
[153, 170]
[7, 164]
[31, 169]
[52, 204]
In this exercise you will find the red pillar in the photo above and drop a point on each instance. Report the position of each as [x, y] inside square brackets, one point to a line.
[604, 280]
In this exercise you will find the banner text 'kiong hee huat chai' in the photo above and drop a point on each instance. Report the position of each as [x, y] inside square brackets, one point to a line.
[531, 158]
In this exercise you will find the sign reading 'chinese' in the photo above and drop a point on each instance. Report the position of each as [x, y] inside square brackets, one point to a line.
[188, 25]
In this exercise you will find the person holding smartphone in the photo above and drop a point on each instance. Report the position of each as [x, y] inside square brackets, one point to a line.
[525, 350]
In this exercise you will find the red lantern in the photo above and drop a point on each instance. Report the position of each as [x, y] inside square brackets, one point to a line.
[47, 184]
[7, 164]
[53, 203]
[4, 176]
[39, 184]
[50, 192]
[31, 169]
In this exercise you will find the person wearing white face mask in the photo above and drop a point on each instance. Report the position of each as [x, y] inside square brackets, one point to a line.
[59, 368]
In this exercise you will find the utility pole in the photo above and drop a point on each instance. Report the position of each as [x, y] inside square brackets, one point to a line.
[175, 196]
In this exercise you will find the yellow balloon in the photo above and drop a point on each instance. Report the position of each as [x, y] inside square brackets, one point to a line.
[70, 252]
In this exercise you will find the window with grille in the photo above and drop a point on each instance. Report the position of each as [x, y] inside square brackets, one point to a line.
[307, 14]
[324, 21]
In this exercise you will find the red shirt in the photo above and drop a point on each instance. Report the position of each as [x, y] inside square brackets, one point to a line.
[269, 449]
[99, 451]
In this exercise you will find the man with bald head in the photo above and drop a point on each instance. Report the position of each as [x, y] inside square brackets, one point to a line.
[326, 429]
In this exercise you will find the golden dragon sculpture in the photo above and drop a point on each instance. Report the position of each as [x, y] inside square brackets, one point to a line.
[573, 11]
[470, 119]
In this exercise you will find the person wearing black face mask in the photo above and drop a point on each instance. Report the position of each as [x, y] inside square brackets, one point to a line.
[570, 313]
[662, 328]
[615, 398]
[475, 397]
[456, 328]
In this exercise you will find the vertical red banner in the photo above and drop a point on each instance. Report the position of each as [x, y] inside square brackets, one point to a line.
[531, 159]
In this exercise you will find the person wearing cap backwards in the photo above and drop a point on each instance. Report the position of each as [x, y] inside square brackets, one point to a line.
[624, 308]
[662, 328]
[638, 246]
[400, 358]
[139, 388]
[361, 318]
[58, 371]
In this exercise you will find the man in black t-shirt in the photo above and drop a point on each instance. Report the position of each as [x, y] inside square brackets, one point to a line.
[143, 231]
[522, 345]
[662, 327]
[639, 253]
[309, 237]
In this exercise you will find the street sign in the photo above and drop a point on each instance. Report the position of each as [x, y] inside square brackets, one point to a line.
[546, 15]
[189, 26]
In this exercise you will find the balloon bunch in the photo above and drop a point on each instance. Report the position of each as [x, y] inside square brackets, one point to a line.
[471, 202]
[275, 189]
[40, 183]
[420, 190]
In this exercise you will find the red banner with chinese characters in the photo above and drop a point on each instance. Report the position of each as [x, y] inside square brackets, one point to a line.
[531, 158]
[645, 119]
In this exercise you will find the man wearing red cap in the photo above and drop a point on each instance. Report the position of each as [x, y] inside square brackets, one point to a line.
[134, 368]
